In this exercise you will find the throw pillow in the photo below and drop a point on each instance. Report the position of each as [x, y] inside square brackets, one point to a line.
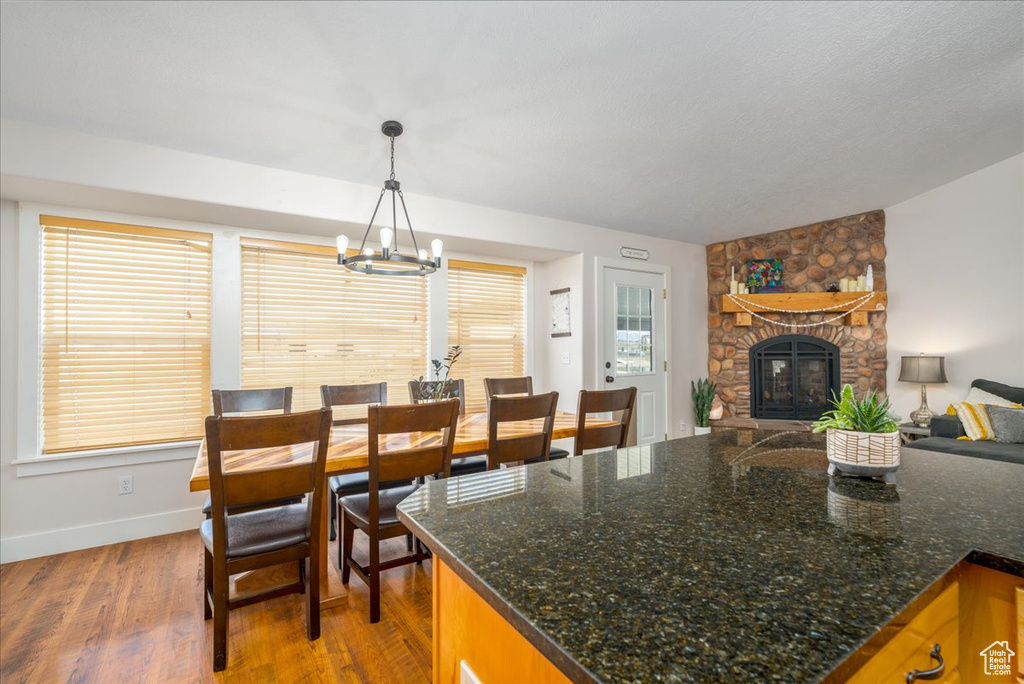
[980, 396]
[975, 420]
[1007, 423]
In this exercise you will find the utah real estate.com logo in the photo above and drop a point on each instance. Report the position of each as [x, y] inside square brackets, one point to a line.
[997, 658]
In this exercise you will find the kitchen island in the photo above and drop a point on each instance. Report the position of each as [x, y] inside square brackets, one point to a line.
[728, 557]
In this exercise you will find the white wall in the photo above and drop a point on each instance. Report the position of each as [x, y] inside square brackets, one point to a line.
[49, 513]
[954, 267]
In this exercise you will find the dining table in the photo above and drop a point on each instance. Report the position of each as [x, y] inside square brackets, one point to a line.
[349, 453]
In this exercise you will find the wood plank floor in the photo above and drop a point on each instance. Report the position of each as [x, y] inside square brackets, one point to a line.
[132, 612]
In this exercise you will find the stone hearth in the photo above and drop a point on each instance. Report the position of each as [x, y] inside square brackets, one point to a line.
[813, 256]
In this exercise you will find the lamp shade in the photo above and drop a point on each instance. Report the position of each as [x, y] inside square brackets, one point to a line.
[923, 369]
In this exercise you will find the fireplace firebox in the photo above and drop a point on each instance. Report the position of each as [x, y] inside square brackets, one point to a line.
[792, 377]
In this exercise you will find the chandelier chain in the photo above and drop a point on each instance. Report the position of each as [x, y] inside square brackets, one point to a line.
[392, 157]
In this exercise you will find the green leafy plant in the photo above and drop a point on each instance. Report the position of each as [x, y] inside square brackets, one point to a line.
[870, 414]
[703, 394]
[441, 387]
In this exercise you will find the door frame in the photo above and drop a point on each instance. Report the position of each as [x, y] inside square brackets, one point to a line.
[600, 264]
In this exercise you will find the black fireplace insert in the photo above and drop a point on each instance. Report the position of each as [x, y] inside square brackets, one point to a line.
[792, 376]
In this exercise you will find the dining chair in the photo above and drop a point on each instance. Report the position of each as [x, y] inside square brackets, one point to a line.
[375, 513]
[246, 401]
[621, 401]
[466, 464]
[333, 396]
[240, 542]
[517, 386]
[523, 446]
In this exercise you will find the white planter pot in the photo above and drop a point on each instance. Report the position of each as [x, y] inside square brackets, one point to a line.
[697, 430]
[867, 454]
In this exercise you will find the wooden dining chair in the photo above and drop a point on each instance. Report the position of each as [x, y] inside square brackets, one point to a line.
[621, 401]
[247, 401]
[333, 396]
[240, 542]
[533, 446]
[466, 464]
[517, 386]
[375, 513]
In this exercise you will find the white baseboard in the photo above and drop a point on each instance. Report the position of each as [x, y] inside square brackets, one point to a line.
[99, 534]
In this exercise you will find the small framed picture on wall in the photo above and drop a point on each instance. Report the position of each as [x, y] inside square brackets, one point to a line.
[560, 313]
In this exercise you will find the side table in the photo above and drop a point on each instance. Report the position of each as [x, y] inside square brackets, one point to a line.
[910, 432]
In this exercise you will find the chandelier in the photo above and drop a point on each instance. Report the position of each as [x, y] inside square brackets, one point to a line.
[390, 260]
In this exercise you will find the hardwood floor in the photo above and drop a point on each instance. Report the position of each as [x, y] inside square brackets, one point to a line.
[132, 612]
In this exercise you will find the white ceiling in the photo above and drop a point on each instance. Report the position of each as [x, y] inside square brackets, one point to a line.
[693, 121]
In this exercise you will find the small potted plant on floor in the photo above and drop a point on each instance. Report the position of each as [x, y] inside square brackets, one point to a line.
[703, 393]
[861, 437]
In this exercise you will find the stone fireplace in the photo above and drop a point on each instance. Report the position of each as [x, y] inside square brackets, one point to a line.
[813, 256]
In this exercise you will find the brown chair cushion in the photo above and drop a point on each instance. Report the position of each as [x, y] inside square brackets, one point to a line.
[358, 483]
[208, 506]
[261, 531]
[358, 505]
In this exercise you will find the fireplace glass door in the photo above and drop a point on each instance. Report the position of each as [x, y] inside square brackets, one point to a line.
[792, 377]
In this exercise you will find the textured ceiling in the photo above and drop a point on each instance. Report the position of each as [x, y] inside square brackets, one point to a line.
[693, 121]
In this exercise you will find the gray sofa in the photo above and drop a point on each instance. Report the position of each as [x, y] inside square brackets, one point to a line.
[946, 429]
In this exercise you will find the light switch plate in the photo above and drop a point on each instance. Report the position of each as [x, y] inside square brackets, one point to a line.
[566, 359]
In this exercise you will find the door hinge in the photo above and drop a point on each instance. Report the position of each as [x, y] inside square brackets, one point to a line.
[666, 365]
[664, 293]
[666, 436]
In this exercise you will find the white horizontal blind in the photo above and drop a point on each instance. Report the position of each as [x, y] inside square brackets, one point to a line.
[125, 334]
[308, 321]
[487, 317]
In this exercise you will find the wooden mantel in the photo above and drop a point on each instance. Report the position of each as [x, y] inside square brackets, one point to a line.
[805, 301]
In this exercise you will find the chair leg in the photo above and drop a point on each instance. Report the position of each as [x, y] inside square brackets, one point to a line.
[220, 616]
[302, 575]
[333, 503]
[207, 583]
[374, 576]
[312, 601]
[348, 529]
[408, 542]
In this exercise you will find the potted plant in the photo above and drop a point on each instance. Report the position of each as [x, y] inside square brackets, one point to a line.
[861, 437]
[703, 393]
[441, 387]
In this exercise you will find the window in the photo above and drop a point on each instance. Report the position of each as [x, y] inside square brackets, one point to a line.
[306, 322]
[487, 317]
[125, 334]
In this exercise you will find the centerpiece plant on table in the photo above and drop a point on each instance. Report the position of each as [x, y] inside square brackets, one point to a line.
[861, 436]
[441, 387]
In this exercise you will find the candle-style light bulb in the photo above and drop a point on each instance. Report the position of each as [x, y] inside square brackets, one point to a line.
[385, 237]
[342, 241]
[368, 251]
[423, 254]
[436, 247]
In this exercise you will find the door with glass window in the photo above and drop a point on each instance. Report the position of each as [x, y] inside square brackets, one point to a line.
[634, 343]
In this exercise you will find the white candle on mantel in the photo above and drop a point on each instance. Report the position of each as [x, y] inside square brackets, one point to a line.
[844, 284]
[862, 283]
[734, 287]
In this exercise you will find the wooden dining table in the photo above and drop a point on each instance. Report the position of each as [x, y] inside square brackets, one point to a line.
[349, 453]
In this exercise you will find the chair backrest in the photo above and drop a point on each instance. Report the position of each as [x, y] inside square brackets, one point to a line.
[243, 487]
[493, 386]
[352, 395]
[421, 456]
[526, 443]
[604, 401]
[244, 401]
[456, 390]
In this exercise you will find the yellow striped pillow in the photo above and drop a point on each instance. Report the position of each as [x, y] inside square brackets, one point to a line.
[975, 421]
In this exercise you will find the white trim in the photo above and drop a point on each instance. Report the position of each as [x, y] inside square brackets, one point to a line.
[106, 458]
[600, 264]
[98, 534]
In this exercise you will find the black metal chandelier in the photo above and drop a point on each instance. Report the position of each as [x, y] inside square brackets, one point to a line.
[390, 260]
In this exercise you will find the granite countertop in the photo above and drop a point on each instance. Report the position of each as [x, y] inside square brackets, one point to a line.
[727, 557]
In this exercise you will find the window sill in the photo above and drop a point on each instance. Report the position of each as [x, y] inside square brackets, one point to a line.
[106, 458]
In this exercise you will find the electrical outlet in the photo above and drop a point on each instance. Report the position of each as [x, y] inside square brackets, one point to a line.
[565, 359]
[125, 484]
[682, 426]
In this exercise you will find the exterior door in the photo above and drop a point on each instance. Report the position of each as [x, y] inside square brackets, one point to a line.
[634, 343]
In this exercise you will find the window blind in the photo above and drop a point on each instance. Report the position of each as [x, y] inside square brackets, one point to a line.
[306, 322]
[487, 317]
[125, 334]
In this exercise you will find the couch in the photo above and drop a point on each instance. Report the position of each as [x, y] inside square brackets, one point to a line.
[946, 429]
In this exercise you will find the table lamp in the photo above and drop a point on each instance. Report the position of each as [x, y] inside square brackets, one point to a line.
[923, 369]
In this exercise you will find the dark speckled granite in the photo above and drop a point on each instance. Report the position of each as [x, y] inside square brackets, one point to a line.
[731, 557]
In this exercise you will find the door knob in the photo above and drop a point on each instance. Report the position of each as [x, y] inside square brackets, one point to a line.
[609, 378]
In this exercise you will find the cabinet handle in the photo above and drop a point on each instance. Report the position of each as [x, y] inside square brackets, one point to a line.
[933, 673]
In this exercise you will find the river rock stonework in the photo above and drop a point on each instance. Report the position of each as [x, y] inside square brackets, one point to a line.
[812, 256]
